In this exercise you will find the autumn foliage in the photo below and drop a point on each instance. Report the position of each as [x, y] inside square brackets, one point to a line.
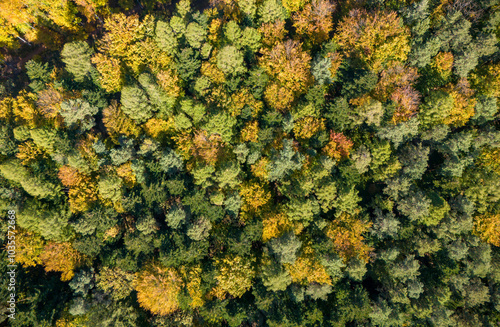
[339, 146]
[157, 289]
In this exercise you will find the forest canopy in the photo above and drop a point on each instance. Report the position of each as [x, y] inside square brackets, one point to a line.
[251, 162]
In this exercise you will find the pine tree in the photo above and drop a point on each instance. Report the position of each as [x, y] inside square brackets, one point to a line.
[76, 55]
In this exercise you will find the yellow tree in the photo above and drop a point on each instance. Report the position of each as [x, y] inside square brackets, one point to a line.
[274, 225]
[250, 132]
[34, 21]
[346, 232]
[294, 5]
[112, 79]
[93, 8]
[306, 127]
[254, 196]
[339, 146]
[306, 269]
[463, 103]
[82, 188]
[29, 247]
[61, 257]
[157, 289]
[487, 226]
[127, 174]
[376, 38]
[289, 67]
[315, 21]
[487, 80]
[490, 159]
[192, 277]
[273, 33]
[259, 169]
[24, 110]
[208, 148]
[123, 44]
[117, 123]
[443, 63]
[29, 152]
[159, 128]
[235, 274]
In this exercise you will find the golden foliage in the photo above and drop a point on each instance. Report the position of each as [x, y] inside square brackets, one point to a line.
[24, 19]
[306, 127]
[24, 109]
[463, 103]
[29, 152]
[294, 5]
[239, 100]
[235, 274]
[487, 80]
[278, 96]
[214, 30]
[69, 176]
[250, 133]
[490, 158]
[127, 174]
[112, 232]
[346, 233]
[122, 31]
[336, 59]
[82, 189]
[394, 76]
[61, 257]
[194, 287]
[6, 105]
[376, 37]
[254, 196]
[111, 73]
[487, 226]
[314, 21]
[91, 8]
[184, 143]
[158, 128]
[70, 322]
[169, 81]
[29, 247]
[157, 289]
[289, 66]
[214, 74]
[443, 63]
[339, 146]
[307, 269]
[275, 225]
[117, 123]
[273, 33]
[259, 169]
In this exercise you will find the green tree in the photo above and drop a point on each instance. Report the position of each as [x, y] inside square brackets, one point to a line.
[230, 60]
[76, 55]
[135, 103]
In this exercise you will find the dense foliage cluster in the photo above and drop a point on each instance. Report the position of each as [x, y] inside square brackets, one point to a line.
[252, 162]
